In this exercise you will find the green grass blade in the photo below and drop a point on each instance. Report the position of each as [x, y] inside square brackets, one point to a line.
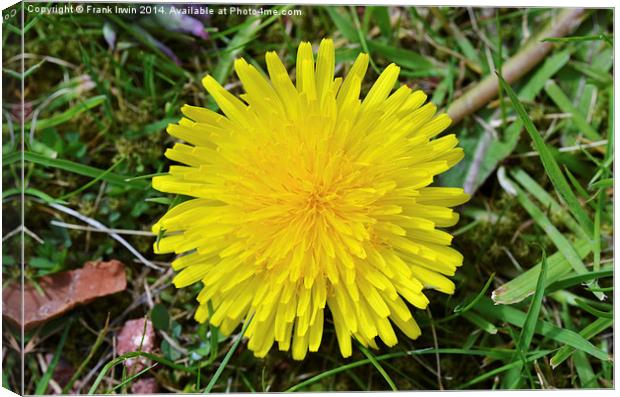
[591, 330]
[602, 37]
[578, 188]
[563, 245]
[562, 336]
[243, 36]
[499, 149]
[480, 322]
[343, 23]
[513, 378]
[578, 279]
[580, 360]
[532, 314]
[136, 31]
[179, 367]
[44, 381]
[32, 192]
[600, 203]
[467, 48]
[148, 176]
[561, 100]
[159, 200]
[610, 123]
[19, 75]
[68, 114]
[548, 161]
[547, 201]
[89, 356]
[81, 169]
[361, 35]
[129, 355]
[603, 168]
[522, 286]
[495, 353]
[379, 368]
[227, 357]
[583, 305]
[462, 309]
[603, 183]
[584, 371]
[536, 83]
[129, 379]
[402, 57]
[214, 335]
[597, 74]
[92, 182]
[382, 16]
[489, 374]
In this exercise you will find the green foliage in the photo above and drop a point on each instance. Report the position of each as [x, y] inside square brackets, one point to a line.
[99, 136]
[160, 317]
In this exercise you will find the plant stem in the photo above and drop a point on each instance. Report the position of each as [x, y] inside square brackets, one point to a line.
[517, 66]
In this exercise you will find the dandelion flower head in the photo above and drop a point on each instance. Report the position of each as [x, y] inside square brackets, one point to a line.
[308, 203]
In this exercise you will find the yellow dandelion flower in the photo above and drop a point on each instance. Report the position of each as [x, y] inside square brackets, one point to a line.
[306, 198]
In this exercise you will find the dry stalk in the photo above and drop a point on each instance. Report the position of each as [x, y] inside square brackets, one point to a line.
[517, 66]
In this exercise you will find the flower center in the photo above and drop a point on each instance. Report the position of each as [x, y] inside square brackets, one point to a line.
[319, 200]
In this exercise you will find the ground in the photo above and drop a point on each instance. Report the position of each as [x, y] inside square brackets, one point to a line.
[101, 88]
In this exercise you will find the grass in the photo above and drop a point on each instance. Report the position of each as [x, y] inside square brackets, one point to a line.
[513, 378]
[538, 161]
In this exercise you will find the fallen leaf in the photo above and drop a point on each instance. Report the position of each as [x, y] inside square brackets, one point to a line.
[62, 292]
